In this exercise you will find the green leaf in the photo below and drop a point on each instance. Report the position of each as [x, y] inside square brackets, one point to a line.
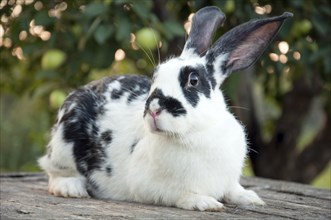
[94, 9]
[320, 54]
[121, 2]
[46, 74]
[24, 23]
[174, 28]
[123, 30]
[30, 49]
[142, 8]
[42, 18]
[102, 33]
[99, 57]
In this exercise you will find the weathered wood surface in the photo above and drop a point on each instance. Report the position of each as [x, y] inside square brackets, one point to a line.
[24, 196]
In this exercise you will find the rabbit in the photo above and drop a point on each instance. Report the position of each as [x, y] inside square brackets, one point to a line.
[169, 140]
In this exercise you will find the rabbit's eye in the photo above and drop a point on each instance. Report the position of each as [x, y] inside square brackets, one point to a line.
[193, 79]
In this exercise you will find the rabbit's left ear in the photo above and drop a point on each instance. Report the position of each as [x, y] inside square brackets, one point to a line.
[204, 24]
[241, 47]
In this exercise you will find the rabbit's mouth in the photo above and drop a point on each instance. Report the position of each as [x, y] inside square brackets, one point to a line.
[154, 125]
[156, 129]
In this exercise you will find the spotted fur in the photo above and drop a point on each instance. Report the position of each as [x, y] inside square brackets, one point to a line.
[169, 141]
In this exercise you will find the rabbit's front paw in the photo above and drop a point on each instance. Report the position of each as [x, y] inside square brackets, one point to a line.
[68, 187]
[199, 202]
[244, 197]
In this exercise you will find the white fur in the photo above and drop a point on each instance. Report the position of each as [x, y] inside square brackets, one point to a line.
[217, 63]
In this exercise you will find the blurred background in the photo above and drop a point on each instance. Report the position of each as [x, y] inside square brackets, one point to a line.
[48, 48]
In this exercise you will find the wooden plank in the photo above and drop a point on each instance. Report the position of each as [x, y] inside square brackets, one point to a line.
[24, 196]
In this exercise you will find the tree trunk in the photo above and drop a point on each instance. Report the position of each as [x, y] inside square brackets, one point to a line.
[279, 158]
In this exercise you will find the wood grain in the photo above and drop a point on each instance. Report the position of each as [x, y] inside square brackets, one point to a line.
[25, 196]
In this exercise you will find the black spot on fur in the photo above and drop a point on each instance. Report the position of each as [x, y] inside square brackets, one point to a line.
[101, 86]
[80, 128]
[109, 170]
[210, 75]
[133, 146]
[203, 87]
[116, 94]
[211, 70]
[107, 136]
[170, 104]
[135, 86]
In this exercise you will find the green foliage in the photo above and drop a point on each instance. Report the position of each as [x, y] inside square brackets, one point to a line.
[324, 179]
[88, 32]
[23, 133]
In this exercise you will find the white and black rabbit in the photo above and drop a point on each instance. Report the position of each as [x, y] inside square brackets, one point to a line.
[170, 140]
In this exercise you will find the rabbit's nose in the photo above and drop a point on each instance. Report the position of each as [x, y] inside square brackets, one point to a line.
[154, 108]
[155, 113]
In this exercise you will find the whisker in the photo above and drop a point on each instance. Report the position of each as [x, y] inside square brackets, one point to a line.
[151, 52]
[149, 57]
[239, 107]
[251, 149]
[158, 49]
[180, 48]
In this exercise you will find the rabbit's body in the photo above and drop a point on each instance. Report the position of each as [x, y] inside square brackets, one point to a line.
[169, 141]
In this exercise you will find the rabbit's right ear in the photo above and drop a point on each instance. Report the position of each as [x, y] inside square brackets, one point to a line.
[204, 24]
[240, 47]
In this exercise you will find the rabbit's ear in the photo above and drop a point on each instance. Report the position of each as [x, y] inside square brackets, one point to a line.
[241, 47]
[204, 24]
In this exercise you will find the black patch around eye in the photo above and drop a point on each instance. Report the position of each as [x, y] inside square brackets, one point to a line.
[203, 87]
